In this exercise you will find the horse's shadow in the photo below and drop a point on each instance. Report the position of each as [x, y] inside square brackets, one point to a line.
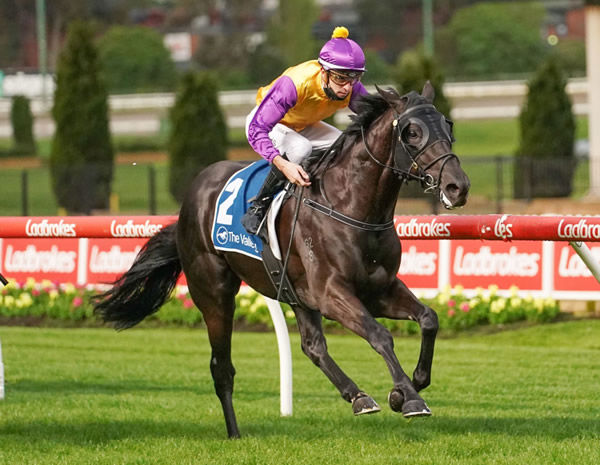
[93, 387]
[424, 430]
[302, 426]
[103, 432]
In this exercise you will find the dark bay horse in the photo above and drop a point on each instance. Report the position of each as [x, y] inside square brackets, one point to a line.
[343, 263]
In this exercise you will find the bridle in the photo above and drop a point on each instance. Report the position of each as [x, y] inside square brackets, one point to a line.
[414, 171]
[398, 153]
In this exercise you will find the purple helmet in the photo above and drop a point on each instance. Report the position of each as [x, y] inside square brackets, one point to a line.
[342, 53]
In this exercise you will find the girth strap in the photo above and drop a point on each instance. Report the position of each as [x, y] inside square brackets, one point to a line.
[346, 219]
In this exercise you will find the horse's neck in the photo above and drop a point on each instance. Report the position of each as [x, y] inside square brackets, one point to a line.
[367, 191]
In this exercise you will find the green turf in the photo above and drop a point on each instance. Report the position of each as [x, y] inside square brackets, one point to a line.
[496, 137]
[145, 396]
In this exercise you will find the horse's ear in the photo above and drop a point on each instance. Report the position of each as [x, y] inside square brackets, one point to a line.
[428, 92]
[390, 95]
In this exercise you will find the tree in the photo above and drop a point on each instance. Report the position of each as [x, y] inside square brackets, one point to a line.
[290, 30]
[378, 71]
[383, 23]
[227, 47]
[81, 159]
[265, 63]
[413, 69]
[545, 160]
[18, 28]
[22, 124]
[134, 59]
[198, 132]
[572, 56]
[491, 39]
[411, 72]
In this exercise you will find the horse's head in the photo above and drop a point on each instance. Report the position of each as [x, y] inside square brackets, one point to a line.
[422, 146]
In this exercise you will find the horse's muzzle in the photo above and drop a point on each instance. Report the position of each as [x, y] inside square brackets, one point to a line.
[454, 189]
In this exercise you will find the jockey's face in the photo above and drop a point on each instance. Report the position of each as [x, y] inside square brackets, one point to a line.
[339, 83]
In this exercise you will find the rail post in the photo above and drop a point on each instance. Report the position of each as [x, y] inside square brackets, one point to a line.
[586, 255]
[285, 356]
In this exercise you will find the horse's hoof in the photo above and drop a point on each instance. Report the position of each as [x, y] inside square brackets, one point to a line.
[363, 404]
[396, 400]
[415, 408]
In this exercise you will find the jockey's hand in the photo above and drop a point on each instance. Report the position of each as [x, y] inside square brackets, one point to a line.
[294, 172]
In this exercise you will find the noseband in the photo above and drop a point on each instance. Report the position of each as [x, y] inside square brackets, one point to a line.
[414, 171]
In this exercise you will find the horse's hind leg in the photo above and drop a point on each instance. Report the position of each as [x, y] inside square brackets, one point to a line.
[315, 347]
[216, 299]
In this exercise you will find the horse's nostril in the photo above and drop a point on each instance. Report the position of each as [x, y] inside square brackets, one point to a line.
[452, 189]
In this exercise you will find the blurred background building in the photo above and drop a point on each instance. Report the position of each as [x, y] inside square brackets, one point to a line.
[230, 33]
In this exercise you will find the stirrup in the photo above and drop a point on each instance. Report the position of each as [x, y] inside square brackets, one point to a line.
[253, 218]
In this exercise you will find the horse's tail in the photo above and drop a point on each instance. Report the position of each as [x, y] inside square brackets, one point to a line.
[145, 287]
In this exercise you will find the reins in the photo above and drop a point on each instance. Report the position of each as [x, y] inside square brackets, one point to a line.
[287, 254]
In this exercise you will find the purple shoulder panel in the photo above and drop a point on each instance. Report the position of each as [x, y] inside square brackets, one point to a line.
[281, 97]
[357, 90]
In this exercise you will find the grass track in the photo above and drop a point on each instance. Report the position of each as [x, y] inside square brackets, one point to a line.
[145, 396]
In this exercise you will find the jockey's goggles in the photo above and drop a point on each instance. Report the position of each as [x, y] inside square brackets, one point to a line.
[341, 79]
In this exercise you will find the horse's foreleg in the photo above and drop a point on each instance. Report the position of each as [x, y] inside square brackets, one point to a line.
[315, 348]
[402, 304]
[348, 310]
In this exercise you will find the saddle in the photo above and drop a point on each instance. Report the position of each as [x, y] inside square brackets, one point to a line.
[229, 235]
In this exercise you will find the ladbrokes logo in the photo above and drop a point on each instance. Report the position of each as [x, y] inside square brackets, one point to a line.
[130, 229]
[112, 261]
[47, 229]
[415, 229]
[32, 260]
[418, 263]
[571, 266]
[582, 230]
[486, 263]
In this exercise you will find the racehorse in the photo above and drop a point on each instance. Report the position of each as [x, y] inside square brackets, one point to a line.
[342, 264]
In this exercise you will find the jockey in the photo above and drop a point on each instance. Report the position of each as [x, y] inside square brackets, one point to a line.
[286, 124]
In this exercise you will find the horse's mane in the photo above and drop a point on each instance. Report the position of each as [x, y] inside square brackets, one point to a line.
[368, 108]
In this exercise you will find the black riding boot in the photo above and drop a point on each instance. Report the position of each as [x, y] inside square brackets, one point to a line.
[274, 182]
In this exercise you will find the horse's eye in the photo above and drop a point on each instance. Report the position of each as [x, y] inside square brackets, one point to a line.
[412, 134]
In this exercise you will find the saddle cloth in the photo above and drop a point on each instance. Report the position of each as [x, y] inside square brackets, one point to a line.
[228, 234]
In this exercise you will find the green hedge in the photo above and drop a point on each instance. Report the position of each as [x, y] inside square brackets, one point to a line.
[456, 311]
[21, 119]
[82, 155]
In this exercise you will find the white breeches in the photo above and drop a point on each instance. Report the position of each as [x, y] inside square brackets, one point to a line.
[298, 145]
